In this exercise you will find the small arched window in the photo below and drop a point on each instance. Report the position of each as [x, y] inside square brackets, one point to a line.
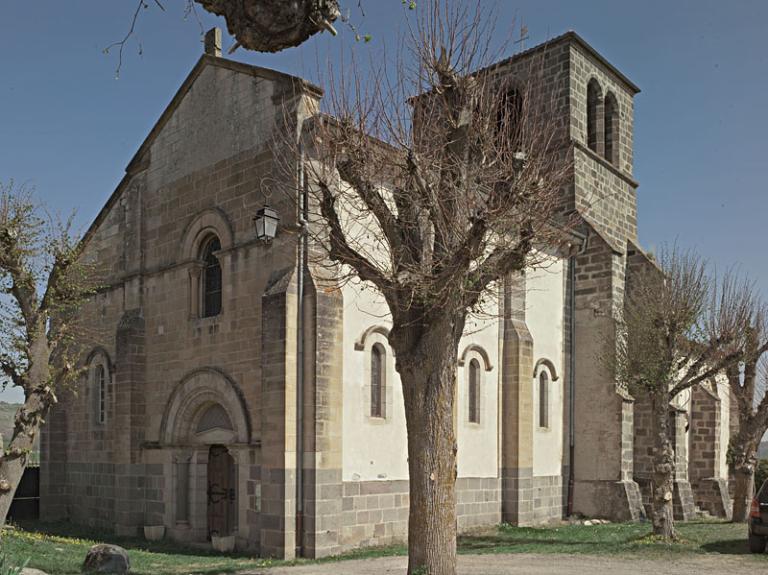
[594, 117]
[100, 385]
[543, 399]
[474, 391]
[611, 129]
[378, 383]
[211, 278]
[509, 113]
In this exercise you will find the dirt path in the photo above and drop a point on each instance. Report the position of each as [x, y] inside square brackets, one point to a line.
[545, 565]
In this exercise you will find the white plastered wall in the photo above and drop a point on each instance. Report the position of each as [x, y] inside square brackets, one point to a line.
[545, 301]
[478, 448]
[376, 448]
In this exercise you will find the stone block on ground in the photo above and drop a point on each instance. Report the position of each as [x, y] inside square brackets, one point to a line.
[106, 559]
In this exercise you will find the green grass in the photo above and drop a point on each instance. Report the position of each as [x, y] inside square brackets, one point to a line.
[50, 550]
[60, 548]
[616, 538]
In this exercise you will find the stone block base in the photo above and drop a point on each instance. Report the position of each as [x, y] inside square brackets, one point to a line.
[712, 496]
[517, 496]
[682, 498]
[685, 510]
[548, 499]
[614, 500]
[375, 513]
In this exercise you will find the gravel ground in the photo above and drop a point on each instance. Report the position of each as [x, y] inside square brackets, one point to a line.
[545, 565]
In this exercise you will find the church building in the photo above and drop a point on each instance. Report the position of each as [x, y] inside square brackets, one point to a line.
[229, 396]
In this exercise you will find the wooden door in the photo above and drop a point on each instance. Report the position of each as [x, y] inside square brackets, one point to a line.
[222, 490]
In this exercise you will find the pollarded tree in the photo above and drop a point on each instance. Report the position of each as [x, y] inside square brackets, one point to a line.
[749, 389]
[274, 25]
[42, 285]
[679, 328]
[431, 186]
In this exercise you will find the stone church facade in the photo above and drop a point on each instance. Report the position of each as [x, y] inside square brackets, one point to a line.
[195, 420]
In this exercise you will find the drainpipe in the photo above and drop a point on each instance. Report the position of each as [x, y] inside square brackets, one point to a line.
[572, 365]
[300, 267]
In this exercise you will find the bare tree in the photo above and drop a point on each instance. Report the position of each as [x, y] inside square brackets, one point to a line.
[749, 389]
[431, 186]
[679, 328]
[42, 285]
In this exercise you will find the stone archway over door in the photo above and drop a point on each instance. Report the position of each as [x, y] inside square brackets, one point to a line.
[206, 427]
[222, 492]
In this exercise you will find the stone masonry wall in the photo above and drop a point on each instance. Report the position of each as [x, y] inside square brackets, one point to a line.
[604, 193]
[208, 156]
[549, 503]
[376, 512]
[710, 491]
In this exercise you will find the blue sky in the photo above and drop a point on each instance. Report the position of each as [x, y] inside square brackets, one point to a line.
[69, 128]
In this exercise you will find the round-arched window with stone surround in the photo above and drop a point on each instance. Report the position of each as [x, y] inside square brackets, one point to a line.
[99, 386]
[473, 391]
[595, 116]
[204, 242]
[543, 399]
[474, 360]
[378, 380]
[210, 278]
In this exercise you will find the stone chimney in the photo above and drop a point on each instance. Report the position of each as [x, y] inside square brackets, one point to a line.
[213, 42]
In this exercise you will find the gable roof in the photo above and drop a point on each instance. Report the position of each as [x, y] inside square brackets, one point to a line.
[205, 60]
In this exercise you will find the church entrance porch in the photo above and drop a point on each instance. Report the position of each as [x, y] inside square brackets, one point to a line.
[212, 487]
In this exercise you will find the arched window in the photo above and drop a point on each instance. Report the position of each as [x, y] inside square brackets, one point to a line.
[378, 382]
[543, 399]
[474, 391]
[508, 116]
[611, 129]
[594, 116]
[211, 278]
[100, 384]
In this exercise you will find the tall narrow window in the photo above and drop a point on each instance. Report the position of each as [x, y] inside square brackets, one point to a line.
[611, 129]
[508, 115]
[377, 381]
[474, 391]
[100, 379]
[594, 117]
[543, 399]
[211, 278]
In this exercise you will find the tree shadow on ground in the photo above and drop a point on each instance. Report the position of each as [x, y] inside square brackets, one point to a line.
[507, 544]
[728, 547]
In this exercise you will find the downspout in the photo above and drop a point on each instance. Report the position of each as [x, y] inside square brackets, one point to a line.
[300, 267]
[572, 365]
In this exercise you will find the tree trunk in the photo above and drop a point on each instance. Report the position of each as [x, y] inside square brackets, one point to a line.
[663, 484]
[13, 462]
[428, 375]
[14, 456]
[743, 493]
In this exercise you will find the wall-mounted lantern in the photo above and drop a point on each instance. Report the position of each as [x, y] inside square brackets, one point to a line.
[266, 221]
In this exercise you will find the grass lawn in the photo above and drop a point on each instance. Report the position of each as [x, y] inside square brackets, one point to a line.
[696, 537]
[61, 548]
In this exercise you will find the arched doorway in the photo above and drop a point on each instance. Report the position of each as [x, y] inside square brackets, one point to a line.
[206, 430]
[222, 492]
